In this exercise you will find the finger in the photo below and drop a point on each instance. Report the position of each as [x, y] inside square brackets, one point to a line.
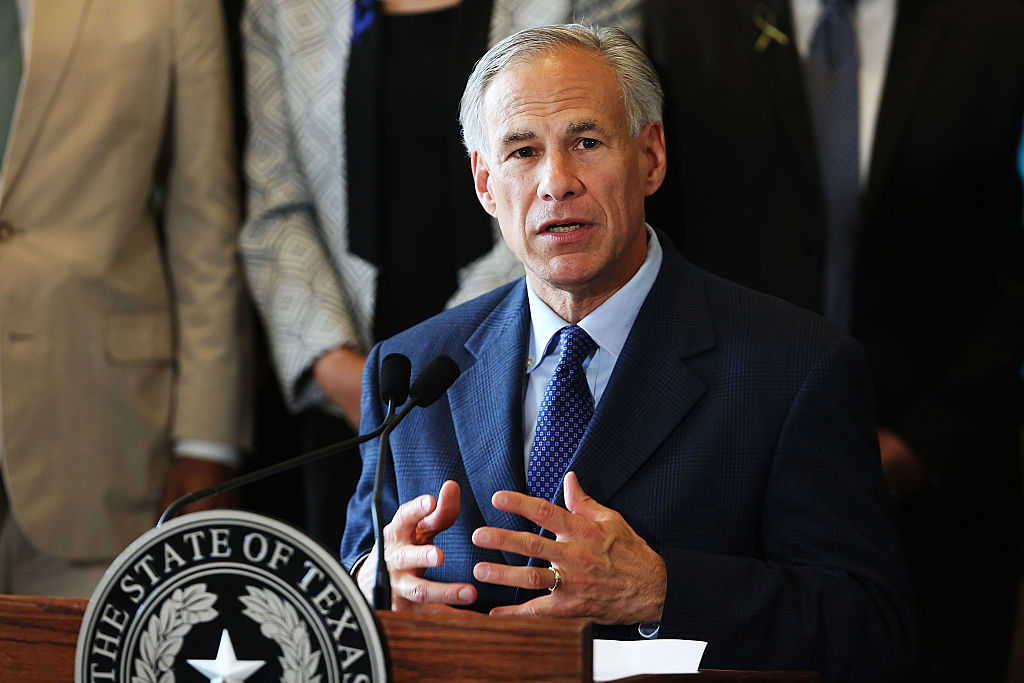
[443, 516]
[522, 543]
[419, 590]
[533, 578]
[543, 513]
[543, 606]
[402, 528]
[405, 556]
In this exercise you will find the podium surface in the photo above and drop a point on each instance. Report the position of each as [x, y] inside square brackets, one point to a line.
[38, 637]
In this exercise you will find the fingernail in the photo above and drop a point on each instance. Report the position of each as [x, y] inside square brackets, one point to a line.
[483, 572]
[481, 537]
[424, 503]
[432, 557]
[466, 594]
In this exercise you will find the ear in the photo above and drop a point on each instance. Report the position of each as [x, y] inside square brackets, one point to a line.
[482, 181]
[652, 141]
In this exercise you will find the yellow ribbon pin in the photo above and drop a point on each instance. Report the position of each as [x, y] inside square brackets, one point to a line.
[764, 19]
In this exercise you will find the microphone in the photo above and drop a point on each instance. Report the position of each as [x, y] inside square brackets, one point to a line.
[394, 385]
[435, 379]
[394, 380]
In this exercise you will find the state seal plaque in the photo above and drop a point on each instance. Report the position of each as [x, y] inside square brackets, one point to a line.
[228, 596]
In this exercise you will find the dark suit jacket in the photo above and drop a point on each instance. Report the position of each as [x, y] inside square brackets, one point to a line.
[736, 436]
[939, 287]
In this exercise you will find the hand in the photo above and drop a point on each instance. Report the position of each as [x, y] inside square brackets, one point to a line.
[904, 471]
[408, 551]
[339, 372]
[191, 474]
[609, 573]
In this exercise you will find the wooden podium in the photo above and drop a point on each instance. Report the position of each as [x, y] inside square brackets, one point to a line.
[38, 636]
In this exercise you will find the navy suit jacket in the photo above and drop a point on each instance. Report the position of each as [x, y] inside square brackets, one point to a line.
[736, 436]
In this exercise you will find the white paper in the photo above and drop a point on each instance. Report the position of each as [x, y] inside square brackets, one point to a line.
[623, 658]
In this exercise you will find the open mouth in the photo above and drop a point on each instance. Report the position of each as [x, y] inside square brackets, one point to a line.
[563, 227]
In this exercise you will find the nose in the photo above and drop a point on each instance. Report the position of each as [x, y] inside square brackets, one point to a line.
[559, 179]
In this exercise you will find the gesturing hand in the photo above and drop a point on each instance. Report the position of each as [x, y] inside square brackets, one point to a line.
[608, 573]
[408, 552]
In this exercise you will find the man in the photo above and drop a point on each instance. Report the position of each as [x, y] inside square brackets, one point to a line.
[121, 318]
[935, 283]
[335, 264]
[726, 485]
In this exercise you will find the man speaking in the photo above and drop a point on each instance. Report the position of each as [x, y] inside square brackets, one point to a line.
[631, 439]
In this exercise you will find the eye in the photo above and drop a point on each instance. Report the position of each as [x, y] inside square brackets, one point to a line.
[523, 153]
[587, 143]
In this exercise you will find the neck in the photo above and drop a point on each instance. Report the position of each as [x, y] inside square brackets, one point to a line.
[571, 306]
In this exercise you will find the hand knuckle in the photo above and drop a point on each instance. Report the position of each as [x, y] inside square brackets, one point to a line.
[417, 593]
[545, 511]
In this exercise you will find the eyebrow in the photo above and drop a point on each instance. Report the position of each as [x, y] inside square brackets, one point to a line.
[576, 127]
[517, 136]
[584, 127]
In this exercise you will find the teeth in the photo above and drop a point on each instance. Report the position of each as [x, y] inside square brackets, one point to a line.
[565, 228]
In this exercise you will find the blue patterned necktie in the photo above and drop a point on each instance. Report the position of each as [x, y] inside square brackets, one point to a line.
[10, 68]
[565, 412]
[832, 73]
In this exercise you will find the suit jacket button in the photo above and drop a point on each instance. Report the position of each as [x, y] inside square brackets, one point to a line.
[6, 231]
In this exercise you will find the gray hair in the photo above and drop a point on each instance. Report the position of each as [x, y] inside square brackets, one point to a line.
[641, 90]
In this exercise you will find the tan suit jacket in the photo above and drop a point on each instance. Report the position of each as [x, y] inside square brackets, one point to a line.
[116, 335]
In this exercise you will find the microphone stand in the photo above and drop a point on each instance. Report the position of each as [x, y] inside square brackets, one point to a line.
[236, 482]
[382, 581]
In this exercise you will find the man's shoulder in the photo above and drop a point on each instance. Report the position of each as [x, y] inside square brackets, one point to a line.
[448, 331]
[743, 316]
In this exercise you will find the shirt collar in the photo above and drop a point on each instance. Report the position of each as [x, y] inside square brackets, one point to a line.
[608, 324]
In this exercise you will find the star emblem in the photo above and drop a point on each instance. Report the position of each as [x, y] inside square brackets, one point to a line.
[226, 668]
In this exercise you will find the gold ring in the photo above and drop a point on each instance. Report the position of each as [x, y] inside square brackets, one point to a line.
[558, 579]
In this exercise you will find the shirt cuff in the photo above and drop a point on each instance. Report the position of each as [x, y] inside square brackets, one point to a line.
[212, 451]
[648, 630]
[357, 565]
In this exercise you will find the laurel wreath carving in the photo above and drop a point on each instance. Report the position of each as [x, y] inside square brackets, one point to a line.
[165, 634]
[280, 622]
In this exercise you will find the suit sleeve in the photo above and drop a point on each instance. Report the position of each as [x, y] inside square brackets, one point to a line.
[831, 580]
[201, 226]
[290, 274]
[981, 388]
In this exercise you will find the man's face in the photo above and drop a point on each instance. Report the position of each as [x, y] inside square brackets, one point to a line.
[564, 177]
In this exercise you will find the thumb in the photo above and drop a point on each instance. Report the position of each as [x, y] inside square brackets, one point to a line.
[576, 499]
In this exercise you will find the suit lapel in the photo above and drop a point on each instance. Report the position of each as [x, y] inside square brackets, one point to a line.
[56, 27]
[919, 27]
[651, 389]
[487, 408]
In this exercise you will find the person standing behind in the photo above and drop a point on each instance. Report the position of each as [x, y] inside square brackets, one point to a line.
[359, 222]
[858, 159]
[121, 317]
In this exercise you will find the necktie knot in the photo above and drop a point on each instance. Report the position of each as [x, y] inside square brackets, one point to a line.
[574, 346]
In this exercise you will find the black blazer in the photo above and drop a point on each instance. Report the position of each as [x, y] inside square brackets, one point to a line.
[939, 285]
